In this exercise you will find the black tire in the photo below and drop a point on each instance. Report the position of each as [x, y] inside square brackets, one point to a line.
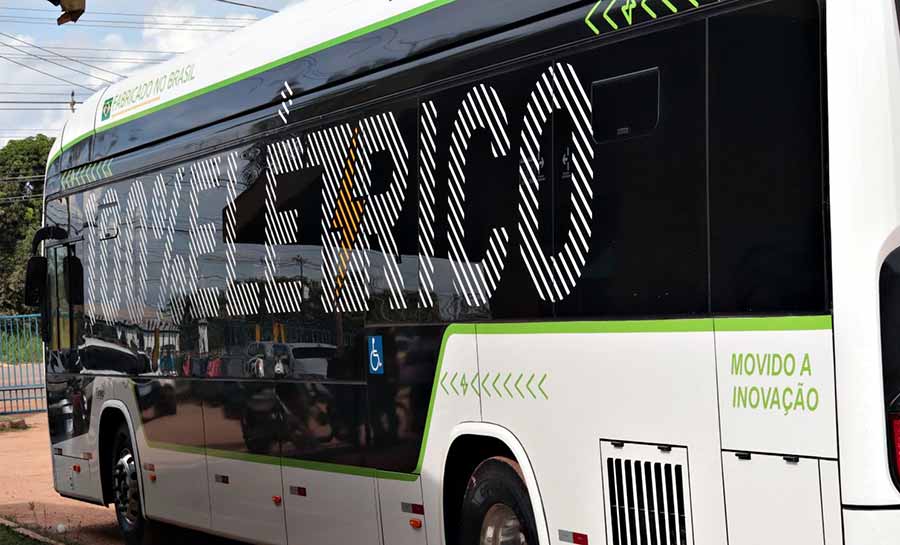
[137, 531]
[496, 481]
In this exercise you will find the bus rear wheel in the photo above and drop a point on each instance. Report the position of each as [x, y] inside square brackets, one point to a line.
[496, 507]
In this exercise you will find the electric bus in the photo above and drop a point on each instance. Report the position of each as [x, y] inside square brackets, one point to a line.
[532, 272]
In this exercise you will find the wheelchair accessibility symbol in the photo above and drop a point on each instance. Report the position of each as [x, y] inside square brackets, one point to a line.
[376, 351]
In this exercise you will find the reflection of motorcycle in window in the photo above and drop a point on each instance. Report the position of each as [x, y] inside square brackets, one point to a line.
[300, 415]
[255, 367]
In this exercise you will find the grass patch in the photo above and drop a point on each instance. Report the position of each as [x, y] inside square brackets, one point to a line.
[20, 348]
[12, 423]
[10, 537]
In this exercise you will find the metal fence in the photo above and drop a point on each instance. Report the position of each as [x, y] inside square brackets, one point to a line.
[22, 385]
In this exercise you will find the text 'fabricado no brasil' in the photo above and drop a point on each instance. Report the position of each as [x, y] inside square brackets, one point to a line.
[795, 397]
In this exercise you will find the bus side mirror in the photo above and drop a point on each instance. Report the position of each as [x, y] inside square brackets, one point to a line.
[36, 281]
[73, 272]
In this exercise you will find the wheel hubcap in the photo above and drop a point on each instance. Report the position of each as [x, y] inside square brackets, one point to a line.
[128, 503]
[501, 526]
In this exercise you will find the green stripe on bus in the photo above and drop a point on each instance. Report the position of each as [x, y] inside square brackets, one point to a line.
[452, 329]
[784, 323]
[434, 4]
[396, 476]
[284, 462]
[627, 326]
[788, 323]
[186, 449]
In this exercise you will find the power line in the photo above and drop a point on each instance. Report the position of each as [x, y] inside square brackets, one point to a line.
[22, 178]
[126, 22]
[159, 15]
[34, 93]
[61, 55]
[47, 74]
[120, 60]
[125, 27]
[33, 109]
[35, 102]
[147, 51]
[20, 198]
[56, 63]
[248, 6]
[33, 85]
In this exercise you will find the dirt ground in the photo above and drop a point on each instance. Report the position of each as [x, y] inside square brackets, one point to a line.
[27, 495]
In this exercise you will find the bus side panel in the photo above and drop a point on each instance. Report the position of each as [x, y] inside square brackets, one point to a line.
[653, 387]
[459, 357]
[864, 66]
[168, 413]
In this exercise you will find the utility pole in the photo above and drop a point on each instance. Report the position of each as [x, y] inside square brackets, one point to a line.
[71, 10]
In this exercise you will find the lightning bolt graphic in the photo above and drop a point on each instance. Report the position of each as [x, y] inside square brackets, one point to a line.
[347, 218]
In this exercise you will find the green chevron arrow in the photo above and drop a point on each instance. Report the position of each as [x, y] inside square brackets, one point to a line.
[669, 5]
[608, 18]
[506, 384]
[452, 385]
[484, 388]
[540, 386]
[518, 380]
[647, 8]
[590, 14]
[494, 385]
[475, 385]
[443, 386]
[528, 386]
[628, 10]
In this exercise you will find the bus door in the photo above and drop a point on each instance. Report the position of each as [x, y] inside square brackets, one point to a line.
[329, 492]
[69, 393]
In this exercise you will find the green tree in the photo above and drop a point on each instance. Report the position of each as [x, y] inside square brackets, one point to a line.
[20, 214]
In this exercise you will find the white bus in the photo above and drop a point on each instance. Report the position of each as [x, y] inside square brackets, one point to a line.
[532, 272]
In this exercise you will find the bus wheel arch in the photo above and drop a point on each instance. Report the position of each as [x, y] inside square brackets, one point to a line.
[112, 417]
[471, 445]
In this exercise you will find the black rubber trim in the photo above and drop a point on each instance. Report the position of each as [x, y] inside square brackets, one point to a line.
[852, 507]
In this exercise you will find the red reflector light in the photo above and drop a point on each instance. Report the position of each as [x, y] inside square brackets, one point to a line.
[76, 468]
[895, 428]
[579, 539]
[418, 509]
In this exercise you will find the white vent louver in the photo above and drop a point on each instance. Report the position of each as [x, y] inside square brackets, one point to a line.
[647, 494]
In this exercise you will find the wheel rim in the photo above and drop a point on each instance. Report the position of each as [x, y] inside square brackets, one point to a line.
[501, 526]
[128, 503]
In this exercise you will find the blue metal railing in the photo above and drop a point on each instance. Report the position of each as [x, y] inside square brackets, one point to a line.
[22, 382]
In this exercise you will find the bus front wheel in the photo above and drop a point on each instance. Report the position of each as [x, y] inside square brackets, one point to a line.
[126, 493]
[496, 507]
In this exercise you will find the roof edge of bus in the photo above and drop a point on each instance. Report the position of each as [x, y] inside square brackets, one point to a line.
[176, 80]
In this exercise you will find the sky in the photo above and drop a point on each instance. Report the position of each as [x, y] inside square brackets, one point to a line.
[138, 39]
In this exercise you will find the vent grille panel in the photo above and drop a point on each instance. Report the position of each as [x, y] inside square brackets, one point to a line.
[647, 495]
